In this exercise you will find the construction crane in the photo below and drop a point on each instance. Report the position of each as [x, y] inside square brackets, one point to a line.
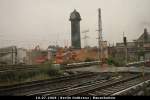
[85, 38]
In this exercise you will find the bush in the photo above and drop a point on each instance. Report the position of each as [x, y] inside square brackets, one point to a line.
[110, 61]
[116, 61]
[50, 69]
[19, 76]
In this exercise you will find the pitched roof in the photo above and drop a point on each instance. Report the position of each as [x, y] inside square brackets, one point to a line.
[145, 37]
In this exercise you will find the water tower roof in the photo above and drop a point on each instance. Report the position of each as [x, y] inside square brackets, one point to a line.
[75, 15]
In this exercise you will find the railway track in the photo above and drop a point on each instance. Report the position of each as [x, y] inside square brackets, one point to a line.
[86, 88]
[81, 64]
[9, 68]
[37, 85]
[116, 89]
[141, 88]
[87, 83]
[138, 63]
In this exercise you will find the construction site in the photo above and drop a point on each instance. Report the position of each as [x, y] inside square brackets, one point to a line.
[77, 68]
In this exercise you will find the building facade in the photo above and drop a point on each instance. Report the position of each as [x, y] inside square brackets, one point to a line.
[139, 49]
[13, 55]
[8, 55]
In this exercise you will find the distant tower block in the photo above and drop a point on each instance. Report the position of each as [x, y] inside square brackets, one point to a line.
[75, 29]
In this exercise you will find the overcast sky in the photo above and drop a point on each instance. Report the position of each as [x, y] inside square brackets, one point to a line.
[27, 23]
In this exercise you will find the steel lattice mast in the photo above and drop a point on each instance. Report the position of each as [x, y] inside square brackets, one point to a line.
[85, 38]
[100, 39]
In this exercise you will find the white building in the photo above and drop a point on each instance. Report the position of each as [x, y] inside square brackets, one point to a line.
[13, 55]
[21, 56]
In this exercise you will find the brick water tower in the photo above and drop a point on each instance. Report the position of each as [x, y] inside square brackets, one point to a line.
[75, 30]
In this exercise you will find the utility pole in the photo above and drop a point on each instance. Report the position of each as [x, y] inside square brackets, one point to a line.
[126, 50]
[100, 39]
[125, 47]
[143, 48]
[85, 38]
